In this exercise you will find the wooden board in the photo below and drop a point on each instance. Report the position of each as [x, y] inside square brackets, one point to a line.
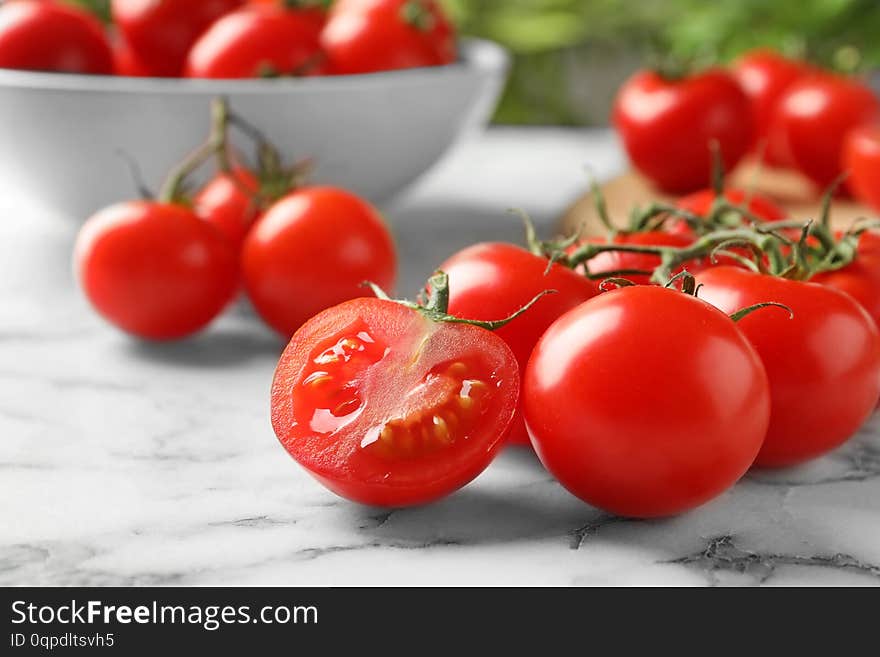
[630, 190]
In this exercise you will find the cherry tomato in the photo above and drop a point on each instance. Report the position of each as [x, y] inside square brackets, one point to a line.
[258, 41]
[491, 281]
[311, 250]
[700, 203]
[861, 278]
[44, 36]
[155, 270]
[609, 262]
[765, 76]
[161, 33]
[228, 202]
[862, 162]
[646, 402]
[816, 114]
[126, 62]
[385, 406]
[823, 364]
[365, 36]
[668, 126]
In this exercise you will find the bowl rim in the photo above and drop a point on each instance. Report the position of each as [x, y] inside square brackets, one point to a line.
[476, 55]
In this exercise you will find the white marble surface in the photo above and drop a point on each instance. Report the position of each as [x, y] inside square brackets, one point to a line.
[123, 463]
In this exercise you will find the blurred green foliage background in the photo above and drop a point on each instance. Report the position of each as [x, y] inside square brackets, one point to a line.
[570, 55]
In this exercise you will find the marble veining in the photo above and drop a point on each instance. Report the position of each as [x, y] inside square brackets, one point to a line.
[124, 463]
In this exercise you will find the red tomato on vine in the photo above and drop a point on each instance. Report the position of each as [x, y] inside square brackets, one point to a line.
[314, 249]
[823, 363]
[816, 115]
[861, 159]
[668, 126]
[646, 401]
[765, 76]
[155, 270]
[229, 202]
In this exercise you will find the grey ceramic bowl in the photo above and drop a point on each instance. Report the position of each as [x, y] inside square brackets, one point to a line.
[60, 135]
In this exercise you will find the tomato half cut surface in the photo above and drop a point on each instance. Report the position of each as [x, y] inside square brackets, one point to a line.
[387, 407]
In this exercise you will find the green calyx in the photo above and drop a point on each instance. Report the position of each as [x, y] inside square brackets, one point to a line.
[275, 180]
[417, 13]
[306, 4]
[436, 305]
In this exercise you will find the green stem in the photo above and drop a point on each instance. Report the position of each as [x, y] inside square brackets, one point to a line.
[173, 188]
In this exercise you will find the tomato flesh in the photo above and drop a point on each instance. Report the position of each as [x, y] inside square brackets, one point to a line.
[388, 408]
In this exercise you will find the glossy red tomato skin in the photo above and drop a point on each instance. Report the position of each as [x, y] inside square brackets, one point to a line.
[765, 76]
[257, 40]
[613, 261]
[667, 126]
[823, 364]
[646, 402]
[155, 270]
[862, 162]
[341, 458]
[126, 62]
[816, 114]
[493, 280]
[861, 278]
[45, 36]
[367, 36]
[311, 250]
[228, 201]
[162, 33]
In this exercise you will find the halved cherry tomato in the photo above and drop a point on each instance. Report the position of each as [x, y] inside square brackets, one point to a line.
[765, 76]
[228, 201]
[816, 114]
[161, 33]
[646, 401]
[365, 36]
[609, 262]
[488, 281]
[48, 36]
[258, 41]
[668, 126]
[861, 158]
[155, 270]
[311, 250]
[385, 406]
[823, 363]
